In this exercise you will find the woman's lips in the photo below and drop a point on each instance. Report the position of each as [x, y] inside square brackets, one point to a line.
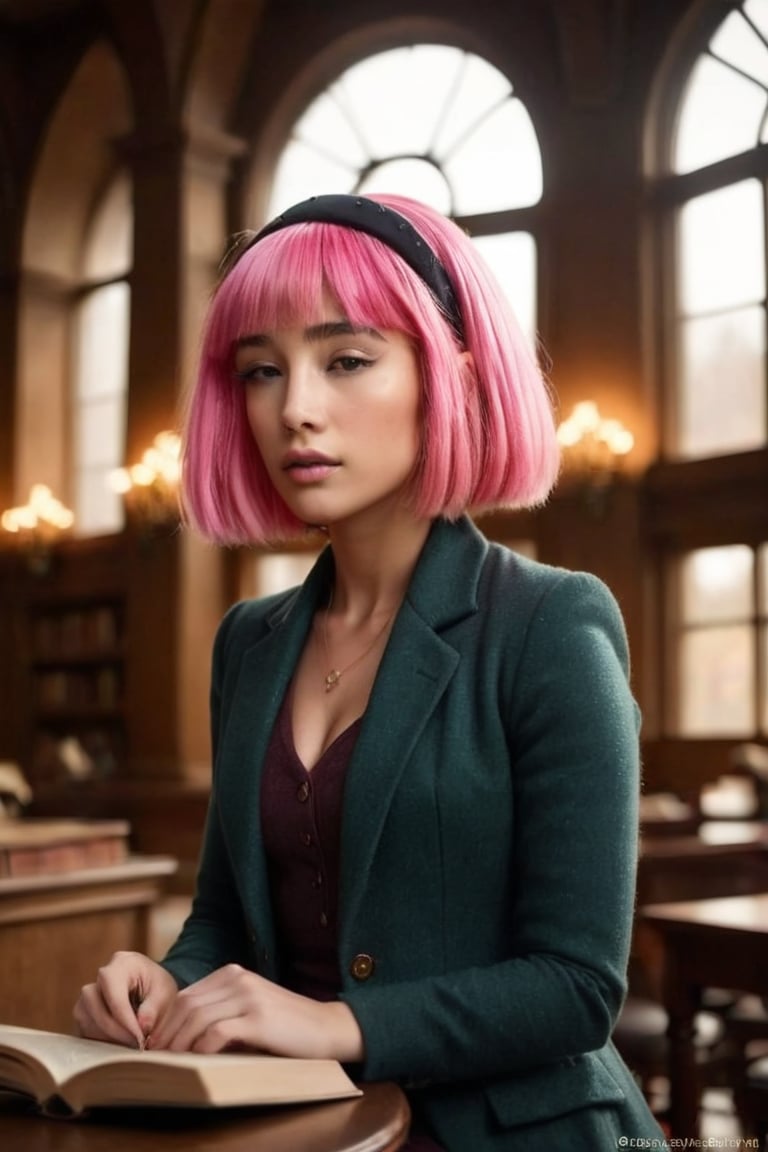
[309, 468]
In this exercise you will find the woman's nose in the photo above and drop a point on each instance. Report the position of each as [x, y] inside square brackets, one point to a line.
[301, 399]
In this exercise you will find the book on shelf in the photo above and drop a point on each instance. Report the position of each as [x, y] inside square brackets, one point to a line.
[66, 632]
[97, 689]
[67, 1075]
[102, 627]
[37, 847]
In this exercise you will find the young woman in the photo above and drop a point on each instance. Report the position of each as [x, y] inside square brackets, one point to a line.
[421, 845]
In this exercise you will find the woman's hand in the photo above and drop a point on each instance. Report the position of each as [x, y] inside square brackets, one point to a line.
[129, 996]
[235, 1008]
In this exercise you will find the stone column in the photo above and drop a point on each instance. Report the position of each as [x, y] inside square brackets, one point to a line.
[177, 582]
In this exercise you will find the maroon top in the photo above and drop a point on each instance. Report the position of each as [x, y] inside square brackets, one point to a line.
[301, 825]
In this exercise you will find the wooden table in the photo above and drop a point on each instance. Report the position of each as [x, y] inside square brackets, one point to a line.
[719, 943]
[377, 1121]
[56, 929]
[724, 858]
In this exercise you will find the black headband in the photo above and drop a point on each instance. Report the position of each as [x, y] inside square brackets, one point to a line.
[384, 224]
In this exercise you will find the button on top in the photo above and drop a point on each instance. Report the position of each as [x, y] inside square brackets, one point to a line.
[362, 966]
[302, 792]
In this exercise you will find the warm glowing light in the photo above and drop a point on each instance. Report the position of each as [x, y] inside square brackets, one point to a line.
[594, 448]
[150, 487]
[37, 525]
[591, 442]
[119, 481]
[43, 512]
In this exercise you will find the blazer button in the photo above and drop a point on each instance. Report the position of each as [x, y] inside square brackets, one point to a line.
[362, 966]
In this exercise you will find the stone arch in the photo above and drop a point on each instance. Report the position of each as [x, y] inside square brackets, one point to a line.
[75, 162]
[217, 58]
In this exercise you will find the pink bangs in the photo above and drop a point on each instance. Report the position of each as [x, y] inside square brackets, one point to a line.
[284, 279]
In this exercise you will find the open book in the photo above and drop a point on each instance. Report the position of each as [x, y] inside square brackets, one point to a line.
[66, 1074]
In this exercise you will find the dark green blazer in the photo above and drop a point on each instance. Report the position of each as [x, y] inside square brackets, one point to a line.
[488, 848]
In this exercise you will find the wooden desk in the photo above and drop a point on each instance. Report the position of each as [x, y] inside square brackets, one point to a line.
[664, 814]
[55, 930]
[724, 858]
[705, 943]
[377, 1121]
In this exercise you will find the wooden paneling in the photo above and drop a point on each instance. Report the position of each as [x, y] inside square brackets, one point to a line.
[56, 930]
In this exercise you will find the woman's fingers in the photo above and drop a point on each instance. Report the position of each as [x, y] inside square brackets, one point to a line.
[95, 1019]
[222, 995]
[129, 995]
[121, 987]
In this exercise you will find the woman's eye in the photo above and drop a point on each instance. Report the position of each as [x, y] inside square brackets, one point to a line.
[350, 363]
[252, 373]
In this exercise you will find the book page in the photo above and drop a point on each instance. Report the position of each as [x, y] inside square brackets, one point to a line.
[62, 1055]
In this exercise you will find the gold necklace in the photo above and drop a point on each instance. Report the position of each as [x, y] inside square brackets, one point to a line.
[332, 677]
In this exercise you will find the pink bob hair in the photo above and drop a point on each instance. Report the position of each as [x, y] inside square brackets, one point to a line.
[488, 429]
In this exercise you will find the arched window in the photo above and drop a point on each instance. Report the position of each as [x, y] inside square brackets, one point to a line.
[74, 303]
[717, 381]
[440, 124]
[710, 200]
[100, 371]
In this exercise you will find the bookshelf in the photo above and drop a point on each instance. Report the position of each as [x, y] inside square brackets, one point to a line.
[110, 647]
[76, 660]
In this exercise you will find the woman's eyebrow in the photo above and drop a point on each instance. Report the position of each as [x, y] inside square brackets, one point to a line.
[334, 328]
[252, 340]
[314, 334]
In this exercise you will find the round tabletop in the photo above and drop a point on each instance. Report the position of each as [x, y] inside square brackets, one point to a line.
[377, 1121]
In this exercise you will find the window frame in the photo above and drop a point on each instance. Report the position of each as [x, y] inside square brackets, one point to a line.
[690, 503]
[756, 620]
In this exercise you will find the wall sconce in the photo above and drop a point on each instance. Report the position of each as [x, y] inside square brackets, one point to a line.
[37, 525]
[594, 448]
[150, 488]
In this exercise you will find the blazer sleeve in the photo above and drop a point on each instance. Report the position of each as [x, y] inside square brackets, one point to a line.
[572, 733]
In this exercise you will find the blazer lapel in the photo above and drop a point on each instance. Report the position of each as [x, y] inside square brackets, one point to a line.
[265, 673]
[415, 671]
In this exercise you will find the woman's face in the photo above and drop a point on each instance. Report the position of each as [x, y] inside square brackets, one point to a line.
[335, 413]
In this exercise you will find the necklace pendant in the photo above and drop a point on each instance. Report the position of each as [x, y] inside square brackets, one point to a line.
[332, 679]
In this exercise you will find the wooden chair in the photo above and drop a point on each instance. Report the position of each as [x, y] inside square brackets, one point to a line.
[746, 1026]
[641, 1038]
[754, 1100]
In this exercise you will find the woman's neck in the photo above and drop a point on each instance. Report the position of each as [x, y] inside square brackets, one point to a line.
[373, 567]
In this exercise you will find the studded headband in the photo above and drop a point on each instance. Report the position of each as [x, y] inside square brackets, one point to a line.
[384, 224]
